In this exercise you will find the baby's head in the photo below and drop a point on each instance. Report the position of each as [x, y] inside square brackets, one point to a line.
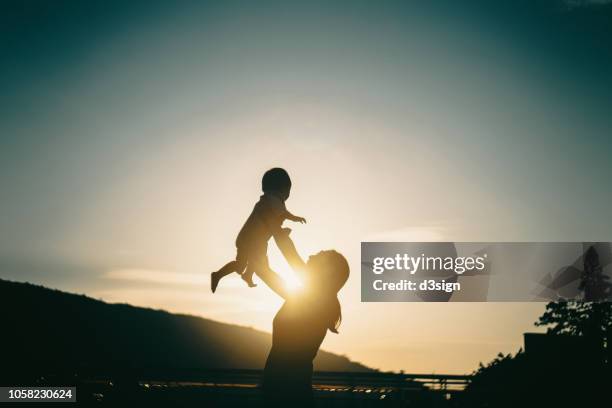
[276, 181]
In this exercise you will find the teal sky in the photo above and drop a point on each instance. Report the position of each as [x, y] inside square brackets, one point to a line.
[134, 136]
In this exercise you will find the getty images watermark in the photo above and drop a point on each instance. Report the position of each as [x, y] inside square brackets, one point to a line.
[481, 272]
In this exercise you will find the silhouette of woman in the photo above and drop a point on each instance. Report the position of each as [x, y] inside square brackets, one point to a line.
[301, 324]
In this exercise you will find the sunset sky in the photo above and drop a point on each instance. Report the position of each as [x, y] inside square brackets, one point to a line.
[134, 136]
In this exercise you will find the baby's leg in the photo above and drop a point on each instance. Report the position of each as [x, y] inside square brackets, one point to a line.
[234, 266]
[257, 262]
[247, 276]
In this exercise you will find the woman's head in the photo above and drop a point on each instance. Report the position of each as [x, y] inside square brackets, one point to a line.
[328, 271]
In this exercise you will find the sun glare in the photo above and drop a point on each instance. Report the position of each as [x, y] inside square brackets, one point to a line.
[292, 283]
[280, 266]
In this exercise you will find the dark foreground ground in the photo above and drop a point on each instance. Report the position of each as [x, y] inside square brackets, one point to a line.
[239, 395]
[240, 388]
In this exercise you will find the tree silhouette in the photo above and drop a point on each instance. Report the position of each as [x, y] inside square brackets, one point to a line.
[577, 318]
[560, 376]
[593, 282]
[589, 319]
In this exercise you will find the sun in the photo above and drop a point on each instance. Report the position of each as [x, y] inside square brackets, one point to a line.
[292, 283]
[280, 266]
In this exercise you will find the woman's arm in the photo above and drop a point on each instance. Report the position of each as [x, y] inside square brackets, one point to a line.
[287, 248]
[273, 281]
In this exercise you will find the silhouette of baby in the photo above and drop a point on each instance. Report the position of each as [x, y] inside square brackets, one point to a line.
[265, 220]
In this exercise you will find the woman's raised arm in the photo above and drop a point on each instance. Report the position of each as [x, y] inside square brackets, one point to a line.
[287, 248]
[273, 281]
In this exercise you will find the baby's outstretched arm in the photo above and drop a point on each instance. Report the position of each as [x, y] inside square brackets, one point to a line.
[295, 218]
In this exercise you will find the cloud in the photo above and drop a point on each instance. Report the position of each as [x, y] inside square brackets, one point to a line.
[422, 233]
[163, 277]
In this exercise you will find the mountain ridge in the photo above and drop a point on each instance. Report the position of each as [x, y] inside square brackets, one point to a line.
[56, 330]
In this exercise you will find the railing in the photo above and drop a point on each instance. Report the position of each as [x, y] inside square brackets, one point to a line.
[238, 388]
[323, 379]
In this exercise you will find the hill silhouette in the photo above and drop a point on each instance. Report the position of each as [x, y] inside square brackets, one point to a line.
[49, 331]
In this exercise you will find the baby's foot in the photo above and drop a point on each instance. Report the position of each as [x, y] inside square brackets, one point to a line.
[248, 278]
[214, 281]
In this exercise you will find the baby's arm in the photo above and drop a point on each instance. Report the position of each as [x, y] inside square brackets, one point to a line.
[294, 218]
